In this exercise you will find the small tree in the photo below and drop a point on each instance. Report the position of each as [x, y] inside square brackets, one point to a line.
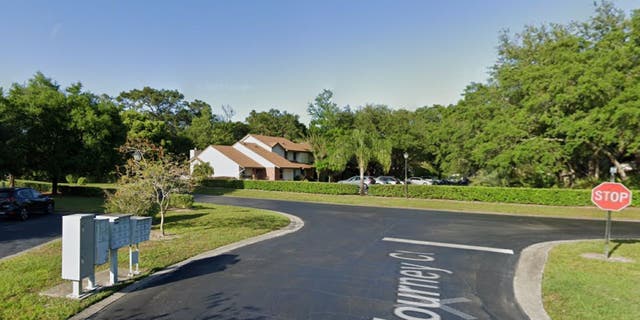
[151, 176]
[365, 147]
[201, 171]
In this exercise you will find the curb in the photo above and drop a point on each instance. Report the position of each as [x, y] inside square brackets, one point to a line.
[527, 282]
[295, 224]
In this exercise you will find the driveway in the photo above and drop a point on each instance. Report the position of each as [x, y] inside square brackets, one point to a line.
[17, 236]
[351, 262]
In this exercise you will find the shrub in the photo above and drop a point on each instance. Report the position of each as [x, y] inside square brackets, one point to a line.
[288, 186]
[133, 199]
[181, 200]
[201, 172]
[71, 179]
[82, 181]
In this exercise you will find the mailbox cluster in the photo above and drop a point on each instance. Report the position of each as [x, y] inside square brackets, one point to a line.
[89, 240]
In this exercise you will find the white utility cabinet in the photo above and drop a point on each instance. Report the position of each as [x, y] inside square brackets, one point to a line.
[78, 249]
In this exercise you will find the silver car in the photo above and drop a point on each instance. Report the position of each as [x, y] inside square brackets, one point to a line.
[388, 180]
[420, 181]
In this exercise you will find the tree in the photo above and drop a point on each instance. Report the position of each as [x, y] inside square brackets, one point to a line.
[201, 130]
[276, 123]
[153, 175]
[96, 122]
[365, 147]
[45, 124]
[201, 171]
[159, 115]
[12, 140]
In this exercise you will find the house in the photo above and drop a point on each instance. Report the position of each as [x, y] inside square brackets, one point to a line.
[257, 157]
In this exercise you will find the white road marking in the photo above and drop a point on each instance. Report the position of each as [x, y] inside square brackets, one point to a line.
[449, 245]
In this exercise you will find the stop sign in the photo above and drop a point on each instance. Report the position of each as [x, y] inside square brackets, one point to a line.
[611, 196]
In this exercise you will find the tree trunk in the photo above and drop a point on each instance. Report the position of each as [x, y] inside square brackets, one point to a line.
[361, 181]
[54, 185]
[12, 181]
[617, 164]
[162, 222]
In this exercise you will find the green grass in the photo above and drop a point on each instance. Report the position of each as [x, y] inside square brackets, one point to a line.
[580, 288]
[79, 204]
[199, 230]
[447, 205]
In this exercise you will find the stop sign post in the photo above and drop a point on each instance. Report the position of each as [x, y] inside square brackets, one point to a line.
[610, 196]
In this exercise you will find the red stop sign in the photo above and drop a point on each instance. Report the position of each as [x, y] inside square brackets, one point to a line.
[611, 196]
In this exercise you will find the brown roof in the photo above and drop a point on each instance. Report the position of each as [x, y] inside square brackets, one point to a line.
[274, 158]
[285, 143]
[238, 157]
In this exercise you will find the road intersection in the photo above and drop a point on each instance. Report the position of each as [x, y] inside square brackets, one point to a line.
[351, 262]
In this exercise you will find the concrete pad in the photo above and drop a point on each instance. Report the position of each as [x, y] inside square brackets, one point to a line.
[64, 290]
[601, 257]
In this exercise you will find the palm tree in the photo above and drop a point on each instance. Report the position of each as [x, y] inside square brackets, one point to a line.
[367, 146]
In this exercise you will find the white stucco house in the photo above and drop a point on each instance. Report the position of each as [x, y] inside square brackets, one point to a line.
[257, 157]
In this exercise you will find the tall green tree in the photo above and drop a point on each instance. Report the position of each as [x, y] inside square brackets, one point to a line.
[46, 127]
[276, 123]
[159, 115]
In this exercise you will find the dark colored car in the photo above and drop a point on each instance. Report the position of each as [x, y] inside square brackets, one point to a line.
[20, 203]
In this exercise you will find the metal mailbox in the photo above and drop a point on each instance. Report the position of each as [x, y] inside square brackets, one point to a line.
[102, 240]
[119, 230]
[140, 229]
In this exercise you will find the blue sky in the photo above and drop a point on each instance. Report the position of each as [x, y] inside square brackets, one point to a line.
[271, 54]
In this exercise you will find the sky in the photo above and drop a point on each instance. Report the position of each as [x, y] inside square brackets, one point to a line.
[258, 55]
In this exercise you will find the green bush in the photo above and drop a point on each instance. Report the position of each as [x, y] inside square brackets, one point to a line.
[287, 186]
[201, 172]
[40, 186]
[181, 200]
[71, 179]
[132, 199]
[555, 197]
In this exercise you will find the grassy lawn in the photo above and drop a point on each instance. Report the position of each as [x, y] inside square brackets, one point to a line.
[580, 288]
[199, 230]
[79, 204]
[449, 205]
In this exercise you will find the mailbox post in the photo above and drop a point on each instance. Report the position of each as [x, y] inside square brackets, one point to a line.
[120, 236]
[140, 231]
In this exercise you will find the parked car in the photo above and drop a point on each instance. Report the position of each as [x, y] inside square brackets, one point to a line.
[432, 181]
[20, 203]
[418, 180]
[388, 180]
[457, 180]
[356, 180]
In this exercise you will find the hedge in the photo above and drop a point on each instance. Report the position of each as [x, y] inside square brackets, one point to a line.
[555, 197]
[84, 191]
[67, 190]
[287, 186]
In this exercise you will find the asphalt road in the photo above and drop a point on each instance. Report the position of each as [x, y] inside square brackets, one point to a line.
[17, 236]
[339, 267]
